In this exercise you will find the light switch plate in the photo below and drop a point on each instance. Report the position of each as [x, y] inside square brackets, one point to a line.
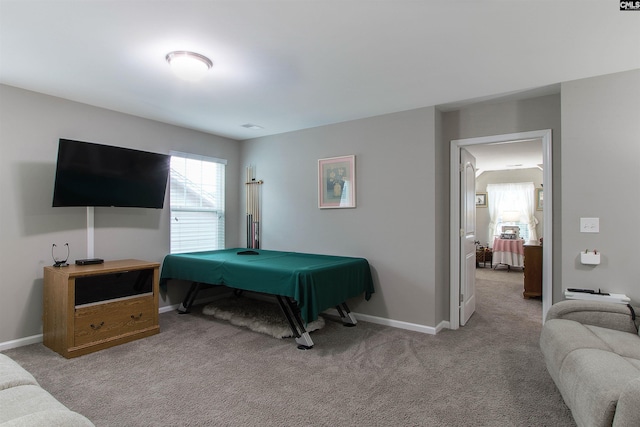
[589, 225]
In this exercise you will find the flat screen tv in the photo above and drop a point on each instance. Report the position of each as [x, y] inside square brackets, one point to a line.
[89, 174]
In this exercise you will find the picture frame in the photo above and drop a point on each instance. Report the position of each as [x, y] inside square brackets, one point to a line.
[337, 182]
[539, 199]
[481, 200]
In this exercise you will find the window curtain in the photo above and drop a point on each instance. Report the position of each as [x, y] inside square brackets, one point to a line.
[495, 196]
[530, 210]
[511, 197]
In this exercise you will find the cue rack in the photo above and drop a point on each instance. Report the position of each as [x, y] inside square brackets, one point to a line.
[253, 205]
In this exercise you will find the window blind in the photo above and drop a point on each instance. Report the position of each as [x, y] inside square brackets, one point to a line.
[197, 203]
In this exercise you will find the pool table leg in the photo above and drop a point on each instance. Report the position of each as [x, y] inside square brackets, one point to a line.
[347, 317]
[304, 341]
[186, 304]
[292, 313]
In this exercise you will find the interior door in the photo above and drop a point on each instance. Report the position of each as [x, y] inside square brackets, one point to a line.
[467, 236]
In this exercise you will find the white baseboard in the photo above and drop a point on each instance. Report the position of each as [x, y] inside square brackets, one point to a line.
[168, 308]
[395, 323]
[20, 342]
[333, 312]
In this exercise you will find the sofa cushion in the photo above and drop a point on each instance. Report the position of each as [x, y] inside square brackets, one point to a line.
[560, 337]
[51, 418]
[627, 413]
[622, 343]
[591, 381]
[16, 402]
[12, 374]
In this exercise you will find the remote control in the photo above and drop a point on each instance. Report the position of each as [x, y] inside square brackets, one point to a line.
[585, 291]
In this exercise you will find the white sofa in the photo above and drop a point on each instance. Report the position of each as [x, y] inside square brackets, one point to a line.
[24, 403]
[592, 352]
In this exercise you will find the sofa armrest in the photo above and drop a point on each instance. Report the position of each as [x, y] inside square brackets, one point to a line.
[12, 374]
[627, 409]
[604, 314]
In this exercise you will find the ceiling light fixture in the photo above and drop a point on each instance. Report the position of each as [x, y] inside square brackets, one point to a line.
[189, 66]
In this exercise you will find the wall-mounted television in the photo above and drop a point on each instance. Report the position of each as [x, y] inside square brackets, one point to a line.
[90, 174]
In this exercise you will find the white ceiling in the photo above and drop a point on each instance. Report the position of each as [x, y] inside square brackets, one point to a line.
[505, 156]
[294, 64]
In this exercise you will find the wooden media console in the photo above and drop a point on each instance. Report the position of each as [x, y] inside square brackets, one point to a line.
[87, 308]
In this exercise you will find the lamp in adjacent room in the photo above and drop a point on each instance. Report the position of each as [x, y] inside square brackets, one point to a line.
[189, 66]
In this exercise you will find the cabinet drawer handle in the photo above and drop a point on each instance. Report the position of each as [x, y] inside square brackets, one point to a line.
[134, 317]
[96, 327]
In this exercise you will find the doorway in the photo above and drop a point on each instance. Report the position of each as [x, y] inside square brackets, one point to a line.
[455, 196]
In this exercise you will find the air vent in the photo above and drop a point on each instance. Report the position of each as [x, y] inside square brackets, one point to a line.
[252, 126]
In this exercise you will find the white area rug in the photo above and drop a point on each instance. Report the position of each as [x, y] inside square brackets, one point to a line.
[258, 315]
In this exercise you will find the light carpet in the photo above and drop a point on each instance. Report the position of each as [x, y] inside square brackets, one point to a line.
[256, 314]
[200, 371]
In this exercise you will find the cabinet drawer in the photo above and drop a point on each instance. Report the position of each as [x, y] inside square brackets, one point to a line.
[104, 321]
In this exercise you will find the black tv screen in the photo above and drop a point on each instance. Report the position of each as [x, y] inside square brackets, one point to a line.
[89, 174]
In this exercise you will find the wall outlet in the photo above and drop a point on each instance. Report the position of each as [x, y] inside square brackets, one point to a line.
[589, 225]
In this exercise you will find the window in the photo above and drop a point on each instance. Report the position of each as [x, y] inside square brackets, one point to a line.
[197, 203]
[512, 204]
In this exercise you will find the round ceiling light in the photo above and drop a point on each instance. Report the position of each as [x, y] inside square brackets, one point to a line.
[189, 66]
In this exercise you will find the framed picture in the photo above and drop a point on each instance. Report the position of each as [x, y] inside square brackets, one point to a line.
[481, 200]
[337, 182]
[539, 199]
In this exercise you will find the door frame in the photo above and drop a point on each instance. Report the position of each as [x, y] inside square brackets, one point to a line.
[454, 197]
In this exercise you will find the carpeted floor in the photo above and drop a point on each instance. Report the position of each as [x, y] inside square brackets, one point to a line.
[201, 371]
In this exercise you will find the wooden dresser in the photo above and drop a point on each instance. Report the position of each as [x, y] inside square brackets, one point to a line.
[91, 307]
[532, 271]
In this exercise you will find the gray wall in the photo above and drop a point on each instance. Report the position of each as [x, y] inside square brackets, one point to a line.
[501, 177]
[496, 118]
[601, 177]
[401, 223]
[394, 224]
[30, 126]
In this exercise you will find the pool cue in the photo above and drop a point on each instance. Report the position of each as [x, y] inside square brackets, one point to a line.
[252, 202]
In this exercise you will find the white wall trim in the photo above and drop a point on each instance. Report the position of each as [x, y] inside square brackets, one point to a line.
[168, 308]
[20, 342]
[454, 270]
[394, 323]
[199, 301]
[332, 312]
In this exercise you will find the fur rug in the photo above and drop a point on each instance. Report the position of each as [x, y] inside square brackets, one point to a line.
[258, 315]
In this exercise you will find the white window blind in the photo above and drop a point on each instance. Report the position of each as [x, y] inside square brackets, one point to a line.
[197, 203]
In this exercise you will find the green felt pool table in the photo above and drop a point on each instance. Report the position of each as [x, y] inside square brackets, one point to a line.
[311, 283]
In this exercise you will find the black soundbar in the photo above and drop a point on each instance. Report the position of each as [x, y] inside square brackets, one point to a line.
[89, 261]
